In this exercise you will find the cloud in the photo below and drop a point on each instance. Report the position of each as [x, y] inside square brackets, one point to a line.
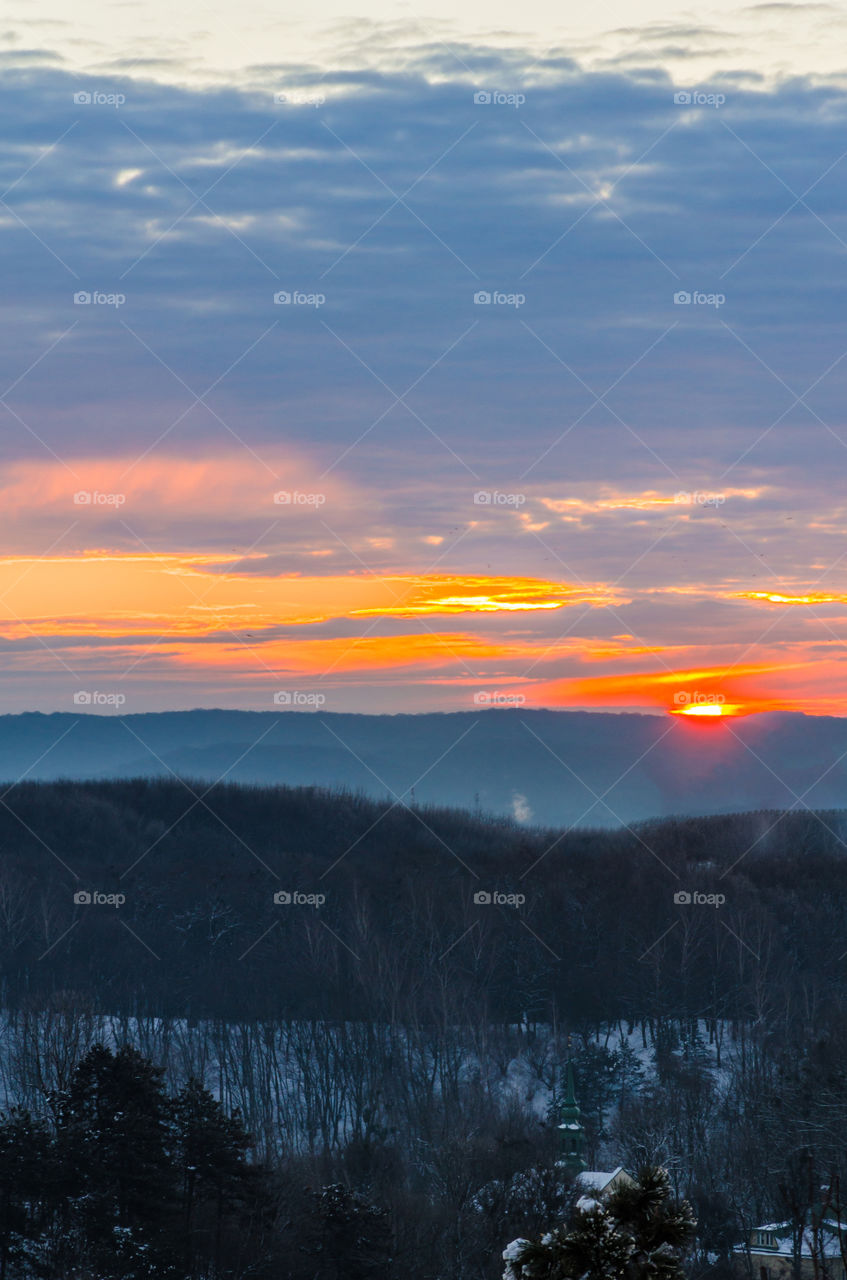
[590, 302]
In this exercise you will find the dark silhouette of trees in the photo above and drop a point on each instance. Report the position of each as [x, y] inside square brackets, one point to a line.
[401, 1040]
[27, 1175]
[639, 1233]
[127, 1182]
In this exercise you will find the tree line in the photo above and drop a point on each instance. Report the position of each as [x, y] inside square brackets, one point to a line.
[390, 1058]
[296, 902]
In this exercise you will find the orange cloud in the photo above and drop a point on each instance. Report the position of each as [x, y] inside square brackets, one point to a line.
[648, 500]
[445, 595]
[736, 689]
[779, 597]
[225, 484]
[318, 657]
[143, 594]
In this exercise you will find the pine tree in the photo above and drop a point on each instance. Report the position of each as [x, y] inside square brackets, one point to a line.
[591, 1248]
[660, 1225]
[112, 1143]
[215, 1179]
[26, 1170]
[345, 1237]
[638, 1234]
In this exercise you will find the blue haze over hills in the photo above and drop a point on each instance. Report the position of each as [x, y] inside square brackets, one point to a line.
[539, 766]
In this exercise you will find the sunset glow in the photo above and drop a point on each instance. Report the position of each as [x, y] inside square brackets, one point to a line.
[712, 710]
[293, 429]
[423, 640]
[239, 615]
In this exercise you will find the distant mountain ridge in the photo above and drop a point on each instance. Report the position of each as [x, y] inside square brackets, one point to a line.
[549, 767]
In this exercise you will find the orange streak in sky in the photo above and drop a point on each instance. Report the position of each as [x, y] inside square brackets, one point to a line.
[107, 594]
[703, 691]
[777, 597]
[318, 657]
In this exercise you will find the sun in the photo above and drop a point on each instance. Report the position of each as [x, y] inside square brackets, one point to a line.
[712, 710]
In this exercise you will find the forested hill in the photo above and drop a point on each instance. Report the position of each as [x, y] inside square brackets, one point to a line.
[390, 913]
[555, 767]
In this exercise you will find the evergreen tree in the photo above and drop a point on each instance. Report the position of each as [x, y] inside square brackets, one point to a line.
[112, 1146]
[130, 1184]
[216, 1183]
[637, 1234]
[345, 1237]
[26, 1172]
[591, 1248]
[660, 1225]
[598, 1072]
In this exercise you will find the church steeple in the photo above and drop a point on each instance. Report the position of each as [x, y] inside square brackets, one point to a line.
[573, 1134]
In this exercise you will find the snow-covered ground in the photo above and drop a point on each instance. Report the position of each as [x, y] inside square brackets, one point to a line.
[307, 1085]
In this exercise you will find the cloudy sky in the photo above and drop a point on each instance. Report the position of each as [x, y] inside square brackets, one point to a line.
[419, 362]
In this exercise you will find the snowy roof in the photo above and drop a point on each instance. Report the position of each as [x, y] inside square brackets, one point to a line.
[827, 1245]
[596, 1180]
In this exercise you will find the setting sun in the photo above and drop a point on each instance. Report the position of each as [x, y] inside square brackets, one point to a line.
[711, 709]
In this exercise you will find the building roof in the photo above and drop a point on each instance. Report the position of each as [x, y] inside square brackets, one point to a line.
[597, 1180]
[593, 1182]
[827, 1245]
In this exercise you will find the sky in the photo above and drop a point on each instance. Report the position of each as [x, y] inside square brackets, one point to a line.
[407, 362]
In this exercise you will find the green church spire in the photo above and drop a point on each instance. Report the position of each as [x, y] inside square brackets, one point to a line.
[573, 1134]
